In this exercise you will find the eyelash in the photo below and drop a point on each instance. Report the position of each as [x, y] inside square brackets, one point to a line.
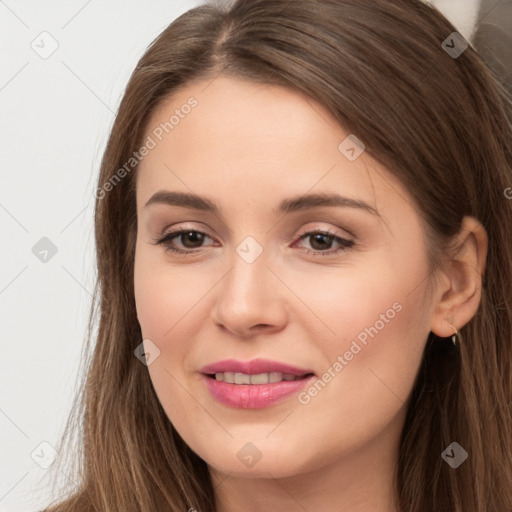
[345, 244]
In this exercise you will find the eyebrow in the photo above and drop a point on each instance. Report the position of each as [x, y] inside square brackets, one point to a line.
[294, 204]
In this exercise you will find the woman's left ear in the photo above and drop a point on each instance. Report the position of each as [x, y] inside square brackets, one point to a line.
[458, 297]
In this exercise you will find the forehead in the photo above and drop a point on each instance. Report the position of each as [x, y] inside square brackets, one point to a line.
[263, 142]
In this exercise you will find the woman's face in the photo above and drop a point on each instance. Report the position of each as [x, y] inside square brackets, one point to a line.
[348, 304]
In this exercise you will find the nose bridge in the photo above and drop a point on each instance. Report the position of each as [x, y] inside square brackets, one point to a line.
[248, 296]
[249, 275]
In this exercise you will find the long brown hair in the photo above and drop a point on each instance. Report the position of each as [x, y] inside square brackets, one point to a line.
[440, 123]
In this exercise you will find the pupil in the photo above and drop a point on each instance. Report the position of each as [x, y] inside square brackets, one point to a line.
[320, 236]
[192, 235]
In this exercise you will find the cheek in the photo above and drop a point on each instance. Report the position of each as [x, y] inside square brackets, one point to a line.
[381, 323]
[165, 297]
[163, 294]
[153, 303]
[380, 299]
[172, 307]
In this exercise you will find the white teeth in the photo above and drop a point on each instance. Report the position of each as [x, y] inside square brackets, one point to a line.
[275, 377]
[242, 378]
[260, 378]
[229, 377]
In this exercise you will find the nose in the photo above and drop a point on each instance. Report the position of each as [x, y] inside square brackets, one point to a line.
[250, 299]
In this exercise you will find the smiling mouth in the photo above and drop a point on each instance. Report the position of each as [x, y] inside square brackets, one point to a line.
[256, 379]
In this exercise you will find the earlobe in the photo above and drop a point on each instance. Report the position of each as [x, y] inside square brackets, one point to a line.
[459, 300]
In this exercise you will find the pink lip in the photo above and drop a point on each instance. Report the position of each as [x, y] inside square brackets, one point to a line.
[257, 396]
[252, 367]
[249, 396]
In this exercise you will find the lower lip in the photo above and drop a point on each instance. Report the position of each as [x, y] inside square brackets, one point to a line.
[254, 396]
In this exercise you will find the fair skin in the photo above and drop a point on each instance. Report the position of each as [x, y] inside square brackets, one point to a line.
[247, 147]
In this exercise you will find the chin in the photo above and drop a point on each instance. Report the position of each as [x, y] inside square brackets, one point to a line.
[268, 461]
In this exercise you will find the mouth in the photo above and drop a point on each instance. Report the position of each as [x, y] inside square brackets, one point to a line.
[255, 371]
[256, 379]
[254, 384]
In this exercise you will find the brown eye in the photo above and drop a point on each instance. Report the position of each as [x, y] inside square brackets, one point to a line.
[321, 242]
[194, 237]
[191, 240]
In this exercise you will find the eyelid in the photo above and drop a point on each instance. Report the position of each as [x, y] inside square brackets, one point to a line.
[176, 231]
[328, 230]
[303, 231]
[339, 238]
[177, 228]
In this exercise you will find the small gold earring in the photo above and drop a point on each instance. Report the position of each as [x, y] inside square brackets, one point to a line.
[456, 335]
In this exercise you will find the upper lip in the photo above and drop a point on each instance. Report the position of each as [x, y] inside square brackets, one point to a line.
[253, 367]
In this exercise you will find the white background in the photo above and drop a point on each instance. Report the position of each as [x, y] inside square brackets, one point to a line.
[55, 117]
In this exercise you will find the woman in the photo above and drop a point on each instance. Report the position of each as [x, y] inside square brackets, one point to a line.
[240, 361]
